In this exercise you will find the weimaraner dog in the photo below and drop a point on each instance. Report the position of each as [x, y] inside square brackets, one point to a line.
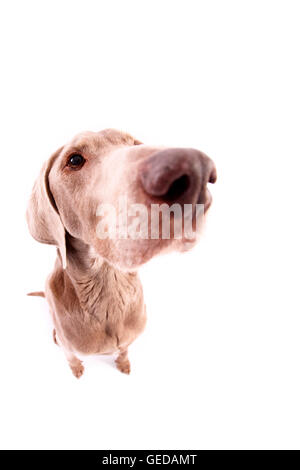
[94, 292]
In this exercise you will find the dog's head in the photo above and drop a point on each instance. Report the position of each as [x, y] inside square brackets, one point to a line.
[127, 200]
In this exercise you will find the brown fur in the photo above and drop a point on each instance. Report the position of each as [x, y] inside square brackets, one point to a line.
[36, 294]
[94, 292]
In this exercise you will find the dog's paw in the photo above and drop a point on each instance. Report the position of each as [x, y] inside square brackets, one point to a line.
[77, 370]
[123, 366]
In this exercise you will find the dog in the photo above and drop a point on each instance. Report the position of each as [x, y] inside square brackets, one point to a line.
[94, 292]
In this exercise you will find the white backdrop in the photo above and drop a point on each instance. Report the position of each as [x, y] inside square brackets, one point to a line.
[222, 77]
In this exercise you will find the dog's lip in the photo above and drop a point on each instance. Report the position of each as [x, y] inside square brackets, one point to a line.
[205, 198]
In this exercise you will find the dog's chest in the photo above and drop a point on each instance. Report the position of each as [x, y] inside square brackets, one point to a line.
[101, 315]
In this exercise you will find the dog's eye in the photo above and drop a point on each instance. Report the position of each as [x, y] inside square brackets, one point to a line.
[76, 161]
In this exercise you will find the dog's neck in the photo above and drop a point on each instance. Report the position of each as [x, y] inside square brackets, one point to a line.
[93, 277]
[82, 260]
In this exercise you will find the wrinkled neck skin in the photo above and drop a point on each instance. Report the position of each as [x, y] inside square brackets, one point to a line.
[94, 279]
[82, 261]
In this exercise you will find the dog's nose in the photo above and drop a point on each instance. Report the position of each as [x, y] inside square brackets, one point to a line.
[177, 175]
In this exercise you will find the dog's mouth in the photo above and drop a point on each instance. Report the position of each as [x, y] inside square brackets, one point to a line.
[207, 200]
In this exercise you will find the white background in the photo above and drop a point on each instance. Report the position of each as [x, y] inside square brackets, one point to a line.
[218, 365]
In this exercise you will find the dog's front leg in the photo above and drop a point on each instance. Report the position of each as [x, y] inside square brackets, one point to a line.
[122, 361]
[75, 364]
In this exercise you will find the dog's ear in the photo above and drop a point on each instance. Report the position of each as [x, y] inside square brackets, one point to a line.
[42, 216]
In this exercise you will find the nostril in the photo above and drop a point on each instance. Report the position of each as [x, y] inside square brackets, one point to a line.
[177, 188]
[213, 176]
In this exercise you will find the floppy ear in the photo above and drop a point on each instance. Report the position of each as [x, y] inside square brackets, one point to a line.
[42, 216]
